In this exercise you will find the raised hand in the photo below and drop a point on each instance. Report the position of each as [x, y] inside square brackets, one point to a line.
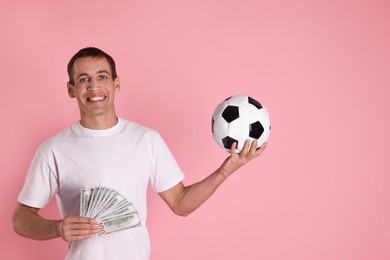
[236, 160]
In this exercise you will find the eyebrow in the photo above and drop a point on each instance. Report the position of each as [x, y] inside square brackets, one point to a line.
[81, 75]
[103, 71]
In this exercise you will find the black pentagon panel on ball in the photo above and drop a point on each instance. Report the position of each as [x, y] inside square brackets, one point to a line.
[228, 142]
[212, 125]
[256, 130]
[230, 113]
[255, 103]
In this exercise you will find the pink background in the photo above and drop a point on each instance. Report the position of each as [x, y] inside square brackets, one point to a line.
[322, 188]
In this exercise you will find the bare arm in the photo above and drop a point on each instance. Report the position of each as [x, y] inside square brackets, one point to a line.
[28, 223]
[184, 200]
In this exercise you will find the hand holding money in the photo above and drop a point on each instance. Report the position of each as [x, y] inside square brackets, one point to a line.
[110, 209]
[73, 228]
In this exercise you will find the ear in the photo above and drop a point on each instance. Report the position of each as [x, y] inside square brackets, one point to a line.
[117, 83]
[70, 88]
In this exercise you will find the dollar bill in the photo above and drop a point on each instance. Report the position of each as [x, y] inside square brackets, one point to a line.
[109, 208]
[85, 199]
[119, 223]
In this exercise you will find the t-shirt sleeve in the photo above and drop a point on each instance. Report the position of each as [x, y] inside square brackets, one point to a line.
[40, 183]
[167, 172]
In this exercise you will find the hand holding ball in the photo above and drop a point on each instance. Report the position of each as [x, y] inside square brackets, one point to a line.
[239, 118]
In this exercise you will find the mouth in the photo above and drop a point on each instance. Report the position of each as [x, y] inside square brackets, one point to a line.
[96, 98]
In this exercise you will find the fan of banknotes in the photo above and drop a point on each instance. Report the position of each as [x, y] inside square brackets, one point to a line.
[110, 209]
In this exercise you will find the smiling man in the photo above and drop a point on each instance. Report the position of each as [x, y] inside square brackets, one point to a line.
[93, 82]
[104, 150]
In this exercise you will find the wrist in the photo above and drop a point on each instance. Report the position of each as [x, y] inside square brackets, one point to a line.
[222, 174]
[58, 227]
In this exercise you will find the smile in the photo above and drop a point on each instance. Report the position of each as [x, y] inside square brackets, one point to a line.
[96, 99]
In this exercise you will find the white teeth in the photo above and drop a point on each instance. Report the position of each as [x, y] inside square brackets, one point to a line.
[96, 98]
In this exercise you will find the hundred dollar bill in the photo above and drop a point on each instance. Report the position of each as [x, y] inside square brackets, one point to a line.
[91, 203]
[117, 214]
[115, 201]
[123, 207]
[119, 223]
[101, 202]
[85, 198]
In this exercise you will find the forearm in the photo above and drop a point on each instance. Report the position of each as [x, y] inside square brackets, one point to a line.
[196, 194]
[184, 200]
[27, 223]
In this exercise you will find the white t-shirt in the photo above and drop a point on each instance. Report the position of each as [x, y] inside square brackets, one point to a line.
[126, 158]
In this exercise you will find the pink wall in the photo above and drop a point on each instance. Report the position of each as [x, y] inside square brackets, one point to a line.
[322, 188]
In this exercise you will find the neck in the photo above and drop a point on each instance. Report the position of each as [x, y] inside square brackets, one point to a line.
[99, 123]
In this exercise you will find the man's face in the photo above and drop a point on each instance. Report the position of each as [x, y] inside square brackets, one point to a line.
[94, 88]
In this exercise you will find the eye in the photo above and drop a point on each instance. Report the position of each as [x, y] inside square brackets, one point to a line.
[83, 79]
[101, 77]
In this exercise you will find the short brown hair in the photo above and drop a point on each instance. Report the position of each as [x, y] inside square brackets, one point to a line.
[91, 52]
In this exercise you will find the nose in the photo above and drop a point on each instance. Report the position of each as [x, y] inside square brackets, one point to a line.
[93, 84]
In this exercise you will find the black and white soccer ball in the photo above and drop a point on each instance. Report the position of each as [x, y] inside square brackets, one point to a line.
[239, 118]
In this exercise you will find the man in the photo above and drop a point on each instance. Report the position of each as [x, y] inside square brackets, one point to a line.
[104, 150]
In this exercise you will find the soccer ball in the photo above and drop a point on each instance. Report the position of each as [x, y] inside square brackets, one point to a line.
[237, 119]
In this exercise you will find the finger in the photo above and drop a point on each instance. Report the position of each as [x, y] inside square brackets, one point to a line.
[78, 226]
[245, 149]
[79, 219]
[233, 149]
[261, 148]
[80, 232]
[77, 236]
[253, 147]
